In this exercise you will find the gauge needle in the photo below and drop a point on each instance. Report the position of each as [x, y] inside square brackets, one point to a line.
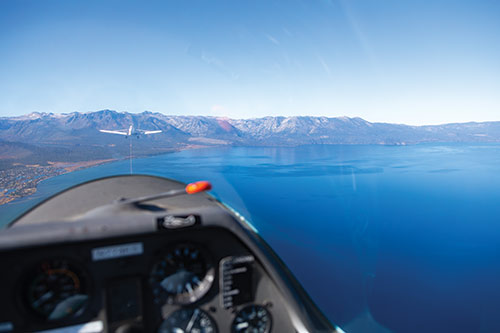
[43, 298]
[192, 320]
[242, 325]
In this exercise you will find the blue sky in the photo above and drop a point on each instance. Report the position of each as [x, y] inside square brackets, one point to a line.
[414, 62]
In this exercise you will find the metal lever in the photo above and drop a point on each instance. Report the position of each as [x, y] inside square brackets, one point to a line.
[192, 188]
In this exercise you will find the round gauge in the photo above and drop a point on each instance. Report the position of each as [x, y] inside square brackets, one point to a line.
[188, 320]
[57, 290]
[183, 275]
[252, 319]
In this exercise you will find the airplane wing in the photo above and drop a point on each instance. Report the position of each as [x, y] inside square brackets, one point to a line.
[113, 132]
[146, 132]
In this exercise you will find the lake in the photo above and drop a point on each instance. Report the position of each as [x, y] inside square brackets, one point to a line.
[384, 238]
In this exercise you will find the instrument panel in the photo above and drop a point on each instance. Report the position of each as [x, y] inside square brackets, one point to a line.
[197, 280]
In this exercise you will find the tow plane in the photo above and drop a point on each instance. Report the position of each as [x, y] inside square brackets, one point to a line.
[131, 131]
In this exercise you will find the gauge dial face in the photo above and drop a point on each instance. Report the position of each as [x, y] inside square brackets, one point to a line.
[57, 290]
[183, 275]
[252, 319]
[189, 321]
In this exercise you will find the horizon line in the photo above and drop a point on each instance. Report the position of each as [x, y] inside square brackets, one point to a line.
[228, 117]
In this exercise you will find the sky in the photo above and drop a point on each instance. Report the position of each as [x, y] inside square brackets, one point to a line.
[412, 62]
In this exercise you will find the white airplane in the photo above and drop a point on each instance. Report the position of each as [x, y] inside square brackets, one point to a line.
[131, 131]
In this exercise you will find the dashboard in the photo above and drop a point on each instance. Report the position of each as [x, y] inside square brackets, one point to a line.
[192, 267]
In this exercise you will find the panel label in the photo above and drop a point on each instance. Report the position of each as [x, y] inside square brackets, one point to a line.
[117, 251]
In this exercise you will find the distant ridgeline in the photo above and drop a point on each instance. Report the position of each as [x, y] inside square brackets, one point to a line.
[42, 137]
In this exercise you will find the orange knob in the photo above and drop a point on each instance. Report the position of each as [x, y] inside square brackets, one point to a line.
[200, 186]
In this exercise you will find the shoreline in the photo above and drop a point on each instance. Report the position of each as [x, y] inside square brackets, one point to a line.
[54, 169]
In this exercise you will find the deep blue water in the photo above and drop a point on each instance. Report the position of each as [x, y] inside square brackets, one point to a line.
[384, 238]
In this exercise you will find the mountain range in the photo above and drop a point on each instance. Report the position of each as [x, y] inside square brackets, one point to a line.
[75, 136]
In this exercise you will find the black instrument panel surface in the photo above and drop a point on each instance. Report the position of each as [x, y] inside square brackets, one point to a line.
[117, 282]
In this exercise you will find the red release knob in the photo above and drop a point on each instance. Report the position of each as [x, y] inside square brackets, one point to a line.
[200, 186]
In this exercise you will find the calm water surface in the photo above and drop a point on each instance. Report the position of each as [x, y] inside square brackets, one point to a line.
[384, 238]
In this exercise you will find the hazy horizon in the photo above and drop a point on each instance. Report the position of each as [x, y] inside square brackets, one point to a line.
[243, 118]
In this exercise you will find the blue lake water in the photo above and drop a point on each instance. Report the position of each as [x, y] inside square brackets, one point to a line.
[384, 238]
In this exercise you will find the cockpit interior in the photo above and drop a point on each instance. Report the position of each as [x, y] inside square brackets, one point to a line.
[145, 254]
